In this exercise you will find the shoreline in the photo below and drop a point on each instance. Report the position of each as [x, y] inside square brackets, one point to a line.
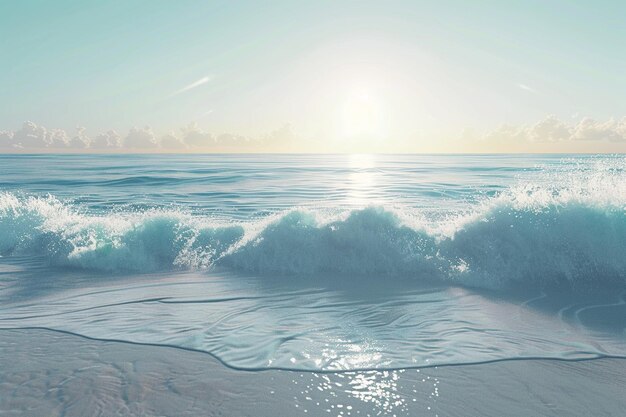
[47, 372]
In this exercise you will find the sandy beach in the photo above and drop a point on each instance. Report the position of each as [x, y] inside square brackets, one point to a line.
[56, 374]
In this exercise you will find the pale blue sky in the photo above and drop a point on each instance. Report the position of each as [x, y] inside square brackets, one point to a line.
[321, 66]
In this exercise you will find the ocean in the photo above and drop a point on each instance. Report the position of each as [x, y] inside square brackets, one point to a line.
[326, 267]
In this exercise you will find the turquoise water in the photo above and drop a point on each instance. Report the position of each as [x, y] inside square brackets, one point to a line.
[321, 262]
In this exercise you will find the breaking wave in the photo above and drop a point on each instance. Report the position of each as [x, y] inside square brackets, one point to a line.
[529, 235]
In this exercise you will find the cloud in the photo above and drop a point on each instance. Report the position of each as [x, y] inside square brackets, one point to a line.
[80, 140]
[592, 130]
[550, 134]
[507, 133]
[231, 140]
[105, 140]
[172, 141]
[191, 86]
[527, 88]
[6, 139]
[140, 138]
[195, 137]
[283, 138]
[32, 135]
[553, 130]
[40, 138]
[550, 129]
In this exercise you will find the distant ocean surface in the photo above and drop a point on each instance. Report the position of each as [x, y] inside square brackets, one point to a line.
[321, 262]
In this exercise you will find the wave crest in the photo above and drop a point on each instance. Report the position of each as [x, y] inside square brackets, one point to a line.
[529, 236]
[371, 241]
[140, 242]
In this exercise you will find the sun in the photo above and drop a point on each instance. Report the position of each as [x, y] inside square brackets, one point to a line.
[361, 116]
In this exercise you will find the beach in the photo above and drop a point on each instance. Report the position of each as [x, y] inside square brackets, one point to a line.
[236, 286]
[57, 374]
[323, 208]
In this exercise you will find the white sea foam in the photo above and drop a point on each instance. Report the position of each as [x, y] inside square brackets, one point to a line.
[568, 230]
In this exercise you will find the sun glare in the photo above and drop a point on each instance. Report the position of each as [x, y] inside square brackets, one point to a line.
[362, 117]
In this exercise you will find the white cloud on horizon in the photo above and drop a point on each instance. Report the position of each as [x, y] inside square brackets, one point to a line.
[140, 138]
[108, 139]
[190, 137]
[80, 140]
[553, 130]
[172, 141]
[550, 133]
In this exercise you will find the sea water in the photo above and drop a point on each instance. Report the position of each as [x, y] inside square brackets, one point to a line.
[321, 262]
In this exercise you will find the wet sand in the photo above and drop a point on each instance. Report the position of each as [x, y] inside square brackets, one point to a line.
[49, 373]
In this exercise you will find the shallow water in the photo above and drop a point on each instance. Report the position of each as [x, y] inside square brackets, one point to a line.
[321, 262]
[105, 379]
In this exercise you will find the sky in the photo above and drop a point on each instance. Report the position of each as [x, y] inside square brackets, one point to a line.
[316, 76]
